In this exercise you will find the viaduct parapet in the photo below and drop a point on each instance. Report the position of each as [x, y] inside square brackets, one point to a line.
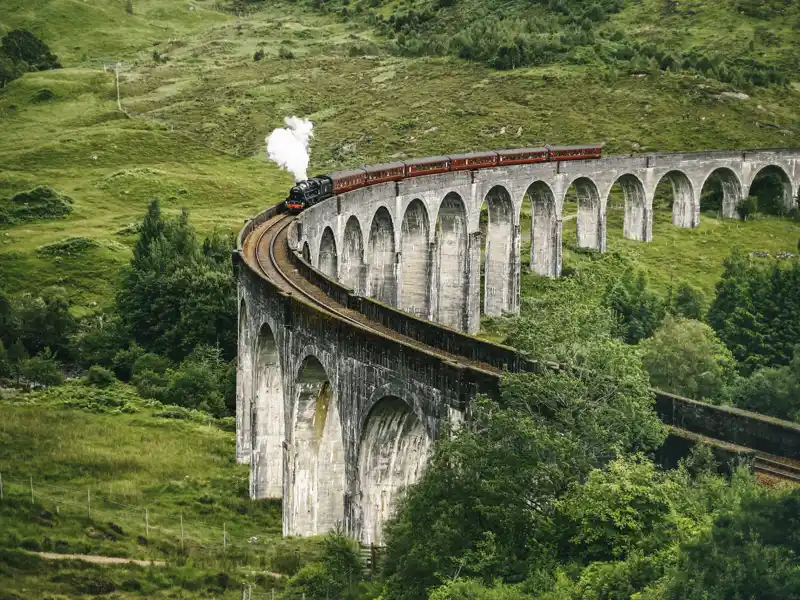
[337, 418]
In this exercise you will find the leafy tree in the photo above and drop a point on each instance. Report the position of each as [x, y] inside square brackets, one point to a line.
[688, 302]
[17, 355]
[686, 357]
[337, 575]
[22, 47]
[485, 506]
[124, 360]
[772, 391]
[756, 311]
[474, 589]
[42, 369]
[639, 311]
[97, 339]
[177, 293]
[748, 553]
[5, 364]
[747, 207]
[45, 321]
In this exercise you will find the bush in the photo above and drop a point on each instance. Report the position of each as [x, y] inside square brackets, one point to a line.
[285, 53]
[42, 369]
[100, 377]
[259, 55]
[37, 204]
[124, 361]
[747, 207]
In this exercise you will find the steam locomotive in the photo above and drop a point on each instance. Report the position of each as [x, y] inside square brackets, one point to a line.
[309, 192]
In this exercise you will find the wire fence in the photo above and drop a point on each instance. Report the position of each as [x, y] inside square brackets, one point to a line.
[159, 533]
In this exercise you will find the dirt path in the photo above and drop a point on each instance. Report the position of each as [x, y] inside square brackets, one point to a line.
[100, 560]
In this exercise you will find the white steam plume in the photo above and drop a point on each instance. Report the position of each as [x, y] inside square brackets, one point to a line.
[288, 147]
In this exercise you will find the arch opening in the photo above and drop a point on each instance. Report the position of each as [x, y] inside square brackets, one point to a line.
[392, 455]
[679, 197]
[721, 193]
[497, 235]
[352, 256]
[306, 253]
[415, 260]
[328, 258]
[451, 256]
[382, 280]
[626, 208]
[318, 462]
[589, 220]
[772, 188]
[545, 254]
[266, 463]
[244, 387]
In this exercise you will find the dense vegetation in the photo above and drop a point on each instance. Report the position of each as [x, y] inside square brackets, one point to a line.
[21, 52]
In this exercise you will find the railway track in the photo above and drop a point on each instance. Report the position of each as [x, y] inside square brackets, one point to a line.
[272, 255]
[776, 467]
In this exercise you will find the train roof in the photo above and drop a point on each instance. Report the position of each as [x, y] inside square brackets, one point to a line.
[576, 146]
[425, 160]
[348, 173]
[384, 166]
[472, 155]
[511, 151]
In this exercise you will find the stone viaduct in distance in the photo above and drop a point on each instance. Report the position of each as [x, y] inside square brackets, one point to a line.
[336, 419]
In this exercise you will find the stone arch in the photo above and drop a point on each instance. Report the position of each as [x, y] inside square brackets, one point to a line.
[635, 222]
[451, 263]
[267, 420]
[306, 252]
[415, 259]
[788, 190]
[381, 259]
[328, 258]
[352, 255]
[317, 454]
[590, 222]
[244, 386]
[731, 190]
[392, 454]
[545, 230]
[685, 211]
[498, 252]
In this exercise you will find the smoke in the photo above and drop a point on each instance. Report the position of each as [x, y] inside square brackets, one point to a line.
[288, 147]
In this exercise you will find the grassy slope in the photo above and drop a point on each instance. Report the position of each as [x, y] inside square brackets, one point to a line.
[73, 438]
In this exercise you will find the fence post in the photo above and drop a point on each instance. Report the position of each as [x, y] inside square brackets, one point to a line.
[146, 524]
[89, 501]
[31, 489]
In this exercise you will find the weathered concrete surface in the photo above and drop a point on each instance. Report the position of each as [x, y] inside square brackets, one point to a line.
[393, 220]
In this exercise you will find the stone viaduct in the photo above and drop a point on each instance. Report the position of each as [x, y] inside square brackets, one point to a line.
[336, 419]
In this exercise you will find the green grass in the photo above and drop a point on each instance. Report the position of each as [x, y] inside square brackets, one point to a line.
[200, 119]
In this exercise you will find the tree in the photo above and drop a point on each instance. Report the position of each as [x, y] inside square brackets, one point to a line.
[45, 321]
[639, 311]
[772, 391]
[747, 207]
[686, 357]
[485, 506]
[5, 364]
[337, 575]
[688, 302]
[42, 369]
[16, 357]
[22, 47]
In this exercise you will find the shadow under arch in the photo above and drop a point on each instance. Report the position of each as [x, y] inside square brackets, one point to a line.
[685, 213]
[307, 253]
[415, 260]
[635, 216]
[317, 461]
[723, 187]
[498, 252]
[381, 258]
[781, 186]
[328, 258]
[545, 230]
[267, 420]
[451, 263]
[392, 454]
[590, 222]
[352, 256]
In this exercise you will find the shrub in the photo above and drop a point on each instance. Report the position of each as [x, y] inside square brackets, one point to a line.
[285, 53]
[42, 369]
[124, 361]
[71, 246]
[259, 55]
[100, 377]
[21, 46]
[39, 203]
[747, 207]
